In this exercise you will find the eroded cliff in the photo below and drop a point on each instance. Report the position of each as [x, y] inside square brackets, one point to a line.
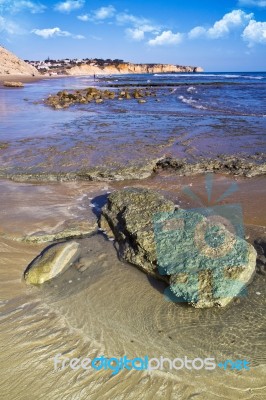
[129, 68]
[12, 65]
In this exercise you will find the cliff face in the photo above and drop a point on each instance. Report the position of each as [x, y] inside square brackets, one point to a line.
[12, 65]
[129, 68]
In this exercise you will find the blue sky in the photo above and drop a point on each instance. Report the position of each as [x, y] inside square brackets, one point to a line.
[225, 35]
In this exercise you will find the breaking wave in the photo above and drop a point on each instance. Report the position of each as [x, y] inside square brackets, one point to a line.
[192, 102]
[229, 76]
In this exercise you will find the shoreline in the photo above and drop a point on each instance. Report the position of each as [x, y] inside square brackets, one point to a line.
[19, 78]
[48, 196]
[232, 166]
[27, 78]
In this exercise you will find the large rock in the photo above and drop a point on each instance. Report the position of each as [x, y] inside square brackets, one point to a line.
[51, 262]
[128, 217]
[204, 263]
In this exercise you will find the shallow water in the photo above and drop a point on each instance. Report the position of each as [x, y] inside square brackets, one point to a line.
[113, 309]
[195, 116]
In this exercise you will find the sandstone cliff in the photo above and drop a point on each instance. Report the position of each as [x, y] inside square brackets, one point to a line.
[12, 65]
[128, 68]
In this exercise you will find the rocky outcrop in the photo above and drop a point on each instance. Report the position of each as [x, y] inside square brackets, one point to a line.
[198, 69]
[140, 169]
[249, 166]
[12, 65]
[203, 262]
[65, 99]
[51, 262]
[13, 84]
[129, 68]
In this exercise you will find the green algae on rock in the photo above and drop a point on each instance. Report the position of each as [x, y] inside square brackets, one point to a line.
[65, 99]
[250, 166]
[132, 217]
[53, 261]
[207, 264]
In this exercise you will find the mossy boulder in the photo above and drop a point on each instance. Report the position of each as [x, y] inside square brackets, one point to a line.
[204, 263]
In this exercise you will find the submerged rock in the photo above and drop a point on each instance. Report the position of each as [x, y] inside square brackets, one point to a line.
[70, 229]
[234, 165]
[65, 99]
[203, 262]
[51, 262]
[13, 84]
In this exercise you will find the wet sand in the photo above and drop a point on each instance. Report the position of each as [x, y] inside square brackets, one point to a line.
[20, 78]
[114, 309]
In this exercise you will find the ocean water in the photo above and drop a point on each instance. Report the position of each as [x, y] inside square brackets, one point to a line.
[197, 115]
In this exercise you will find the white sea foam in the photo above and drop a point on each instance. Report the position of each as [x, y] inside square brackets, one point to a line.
[192, 102]
[229, 76]
[191, 89]
[187, 101]
[82, 197]
[253, 77]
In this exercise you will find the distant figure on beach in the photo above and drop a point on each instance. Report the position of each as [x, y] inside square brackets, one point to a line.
[94, 76]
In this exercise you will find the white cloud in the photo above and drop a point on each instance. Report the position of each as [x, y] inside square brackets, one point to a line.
[9, 27]
[221, 28]
[254, 33]
[55, 32]
[69, 5]
[104, 12]
[84, 17]
[135, 34]
[34, 8]
[252, 3]
[124, 18]
[139, 25]
[16, 6]
[166, 38]
[196, 32]
[100, 14]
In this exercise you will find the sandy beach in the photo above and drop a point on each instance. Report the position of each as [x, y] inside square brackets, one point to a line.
[113, 308]
[57, 169]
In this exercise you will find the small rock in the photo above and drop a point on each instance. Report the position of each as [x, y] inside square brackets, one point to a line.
[53, 261]
[13, 84]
